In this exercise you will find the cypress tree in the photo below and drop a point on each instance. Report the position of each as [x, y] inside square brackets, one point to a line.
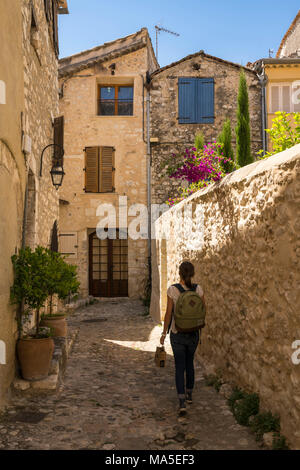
[243, 143]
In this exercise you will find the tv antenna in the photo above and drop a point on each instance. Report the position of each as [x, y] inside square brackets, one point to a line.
[159, 29]
[271, 52]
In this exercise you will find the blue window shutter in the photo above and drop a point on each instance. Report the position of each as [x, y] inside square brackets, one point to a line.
[205, 99]
[186, 100]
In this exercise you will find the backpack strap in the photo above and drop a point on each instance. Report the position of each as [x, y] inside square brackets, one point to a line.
[180, 288]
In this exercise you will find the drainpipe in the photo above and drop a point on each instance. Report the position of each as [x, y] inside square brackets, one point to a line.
[148, 175]
[143, 106]
[263, 81]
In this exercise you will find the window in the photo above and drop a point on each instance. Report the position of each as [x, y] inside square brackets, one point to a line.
[115, 100]
[285, 97]
[99, 169]
[196, 100]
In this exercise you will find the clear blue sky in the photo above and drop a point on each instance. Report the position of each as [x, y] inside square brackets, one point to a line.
[236, 30]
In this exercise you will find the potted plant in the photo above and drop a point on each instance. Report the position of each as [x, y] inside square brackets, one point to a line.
[62, 280]
[35, 349]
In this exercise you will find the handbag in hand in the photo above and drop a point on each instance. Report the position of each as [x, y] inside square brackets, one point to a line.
[160, 356]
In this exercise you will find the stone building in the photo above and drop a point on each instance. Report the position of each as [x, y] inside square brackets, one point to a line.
[281, 78]
[290, 44]
[28, 111]
[195, 94]
[103, 102]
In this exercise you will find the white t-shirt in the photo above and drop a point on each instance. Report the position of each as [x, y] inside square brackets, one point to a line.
[174, 293]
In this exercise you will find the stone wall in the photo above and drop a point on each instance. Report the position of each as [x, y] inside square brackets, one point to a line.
[242, 235]
[41, 107]
[29, 69]
[174, 137]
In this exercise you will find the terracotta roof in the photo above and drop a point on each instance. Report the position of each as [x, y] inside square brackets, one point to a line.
[288, 61]
[289, 31]
[104, 52]
[84, 64]
[203, 54]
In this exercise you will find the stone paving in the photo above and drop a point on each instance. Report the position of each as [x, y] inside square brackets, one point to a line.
[114, 397]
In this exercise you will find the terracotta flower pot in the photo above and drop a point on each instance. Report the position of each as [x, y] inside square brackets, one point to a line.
[35, 357]
[58, 324]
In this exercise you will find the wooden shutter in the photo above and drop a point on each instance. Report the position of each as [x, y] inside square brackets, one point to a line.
[296, 98]
[59, 138]
[92, 169]
[68, 244]
[186, 100]
[55, 27]
[286, 99]
[205, 101]
[275, 105]
[106, 169]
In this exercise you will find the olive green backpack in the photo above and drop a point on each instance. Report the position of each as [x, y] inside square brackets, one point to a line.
[189, 313]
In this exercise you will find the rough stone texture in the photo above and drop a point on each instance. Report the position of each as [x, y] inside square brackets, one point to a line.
[243, 238]
[41, 105]
[114, 397]
[30, 75]
[174, 137]
[83, 128]
[268, 439]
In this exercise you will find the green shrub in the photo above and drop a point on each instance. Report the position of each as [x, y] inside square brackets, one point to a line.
[246, 407]
[264, 422]
[284, 133]
[279, 442]
[213, 381]
[199, 141]
[237, 394]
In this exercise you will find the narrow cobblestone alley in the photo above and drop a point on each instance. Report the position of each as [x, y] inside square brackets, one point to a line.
[114, 397]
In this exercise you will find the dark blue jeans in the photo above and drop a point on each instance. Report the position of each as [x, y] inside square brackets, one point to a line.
[184, 346]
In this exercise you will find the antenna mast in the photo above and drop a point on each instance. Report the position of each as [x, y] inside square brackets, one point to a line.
[158, 29]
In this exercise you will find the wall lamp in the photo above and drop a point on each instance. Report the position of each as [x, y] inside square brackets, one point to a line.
[57, 171]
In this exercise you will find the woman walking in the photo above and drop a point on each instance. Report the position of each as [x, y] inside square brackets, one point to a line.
[184, 344]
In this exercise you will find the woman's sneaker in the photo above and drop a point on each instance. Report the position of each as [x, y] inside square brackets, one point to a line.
[189, 398]
[182, 406]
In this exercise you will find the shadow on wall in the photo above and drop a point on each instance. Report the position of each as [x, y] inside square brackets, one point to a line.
[249, 270]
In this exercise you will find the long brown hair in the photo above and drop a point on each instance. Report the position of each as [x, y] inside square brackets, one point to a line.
[186, 272]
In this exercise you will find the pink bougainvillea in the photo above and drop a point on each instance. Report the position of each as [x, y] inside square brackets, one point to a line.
[198, 168]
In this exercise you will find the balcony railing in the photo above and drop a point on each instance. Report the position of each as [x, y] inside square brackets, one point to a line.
[120, 107]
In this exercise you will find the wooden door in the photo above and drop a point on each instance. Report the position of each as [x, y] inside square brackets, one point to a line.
[108, 267]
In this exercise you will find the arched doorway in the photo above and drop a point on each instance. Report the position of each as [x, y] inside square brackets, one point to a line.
[108, 267]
